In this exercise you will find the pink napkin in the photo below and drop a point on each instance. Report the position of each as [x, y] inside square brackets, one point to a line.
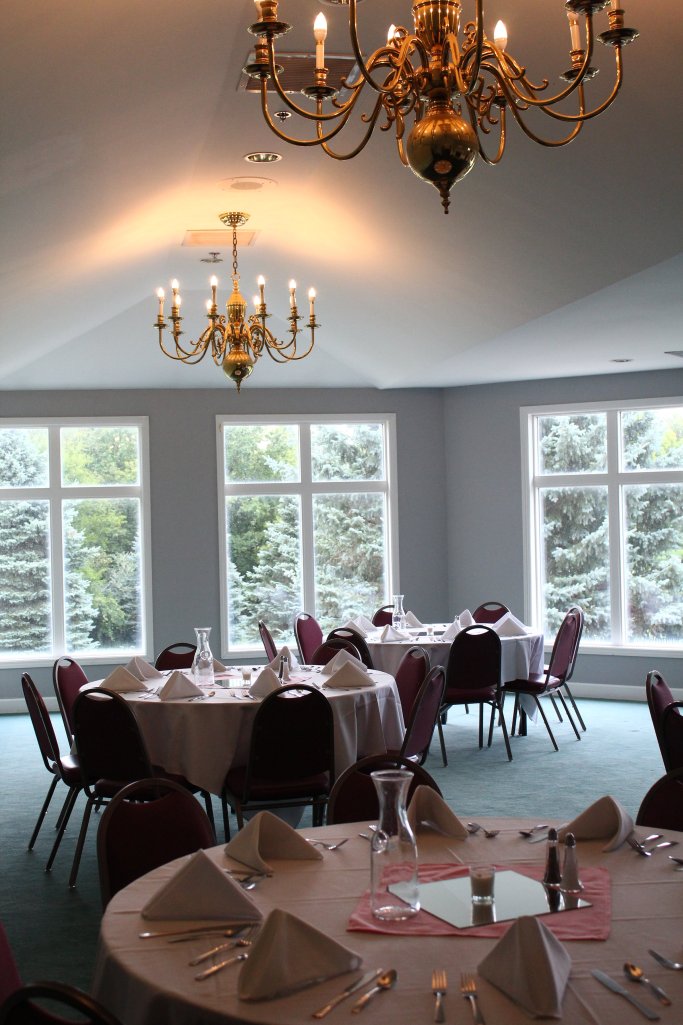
[583, 924]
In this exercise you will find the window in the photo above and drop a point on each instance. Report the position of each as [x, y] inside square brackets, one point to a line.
[605, 521]
[308, 522]
[73, 515]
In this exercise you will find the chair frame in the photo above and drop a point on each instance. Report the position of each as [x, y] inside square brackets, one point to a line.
[655, 681]
[335, 644]
[489, 612]
[388, 760]
[20, 1008]
[424, 697]
[324, 738]
[414, 653]
[356, 639]
[305, 647]
[179, 655]
[63, 691]
[383, 616]
[269, 644]
[663, 790]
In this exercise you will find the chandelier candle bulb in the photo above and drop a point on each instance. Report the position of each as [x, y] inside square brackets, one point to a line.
[292, 294]
[391, 35]
[261, 285]
[160, 297]
[574, 30]
[311, 303]
[500, 35]
[320, 33]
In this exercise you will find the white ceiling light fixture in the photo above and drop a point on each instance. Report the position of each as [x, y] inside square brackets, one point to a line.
[262, 157]
[236, 341]
[457, 88]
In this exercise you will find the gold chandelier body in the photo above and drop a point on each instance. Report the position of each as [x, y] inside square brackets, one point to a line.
[457, 88]
[236, 341]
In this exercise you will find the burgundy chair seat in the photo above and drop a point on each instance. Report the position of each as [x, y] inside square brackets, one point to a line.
[537, 683]
[469, 695]
[277, 789]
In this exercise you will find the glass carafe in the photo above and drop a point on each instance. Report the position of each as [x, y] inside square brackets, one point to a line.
[393, 852]
[398, 616]
[202, 663]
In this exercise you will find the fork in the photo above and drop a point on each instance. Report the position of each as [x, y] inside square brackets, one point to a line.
[665, 962]
[638, 847]
[439, 989]
[468, 988]
[327, 846]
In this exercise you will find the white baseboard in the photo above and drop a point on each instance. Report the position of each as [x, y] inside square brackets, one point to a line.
[10, 706]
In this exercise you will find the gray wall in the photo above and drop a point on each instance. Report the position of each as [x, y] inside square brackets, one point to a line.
[484, 497]
[459, 488]
[185, 560]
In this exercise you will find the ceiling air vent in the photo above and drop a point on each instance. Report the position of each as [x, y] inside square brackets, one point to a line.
[298, 71]
[217, 238]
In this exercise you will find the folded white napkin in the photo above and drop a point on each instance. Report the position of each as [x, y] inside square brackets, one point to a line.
[178, 685]
[509, 626]
[123, 681]
[142, 670]
[267, 836]
[289, 655]
[465, 619]
[201, 890]
[413, 621]
[606, 819]
[264, 684]
[531, 966]
[289, 955]
[350, 674]
[451, 631]
[218, 667]
[340, 659]
[364, 624]
[390, 633]
[428, 811]
[353, 624]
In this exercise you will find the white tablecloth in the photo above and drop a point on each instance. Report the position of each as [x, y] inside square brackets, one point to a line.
[145, 982]
[203, 739]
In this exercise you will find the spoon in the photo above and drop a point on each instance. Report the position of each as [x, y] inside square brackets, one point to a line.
[679, 861]
[385, 981]
[632, 971]
[220, 966]
[665, 962]
[532, 829]
[473, 827]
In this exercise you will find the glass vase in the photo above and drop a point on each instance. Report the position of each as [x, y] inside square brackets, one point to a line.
[398, 616]
[202, 663]
[393, 852]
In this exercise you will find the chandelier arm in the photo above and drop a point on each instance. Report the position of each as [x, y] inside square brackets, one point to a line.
[502, 135]
[372, 121]
[278, 355]
[189, 356]
[552, 143]
[586, 116]
[344, 114]
[475, 53]
[301, 111]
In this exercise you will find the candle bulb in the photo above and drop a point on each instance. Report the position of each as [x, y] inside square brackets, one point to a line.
[500, 35]
[176, 297]
[261, 286]
[257, 5]
[320, 33]
[255, 301]
[214, 283]
[292, 294]
[311, 302]
[160, 297]
[390, 35]
[574, 30]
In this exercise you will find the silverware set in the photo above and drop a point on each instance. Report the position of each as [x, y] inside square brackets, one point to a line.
[639, 845]
[474, 827]
[468, 988]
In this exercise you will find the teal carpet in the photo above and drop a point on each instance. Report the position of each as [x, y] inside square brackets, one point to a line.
[53, 930]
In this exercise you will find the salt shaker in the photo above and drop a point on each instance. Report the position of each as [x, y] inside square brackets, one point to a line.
[570, 868]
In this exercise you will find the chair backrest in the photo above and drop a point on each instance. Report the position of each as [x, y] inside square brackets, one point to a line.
[137, 835]
[576, 610]
[67, 678]
[354, 798]
[292, 736]
[39, 1003]
[308, 635]
[41, 722]
[356, 639]
[268, 642]
[489, 612]
[474, 660]
[108, 740]
[666, 719]
[410, 675]
[383, 616]
[329, 648]
[176, 656]
[662, 805]
[566, 644]
[418, 735]
[10, 980]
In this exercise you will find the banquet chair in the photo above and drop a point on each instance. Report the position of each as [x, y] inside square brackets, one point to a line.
[356, 639]
[325, 652]
[473, 677]
[44, 1003]
[291, 757]
[135, 836]
[308, 636]
[424, 715]
[410, 676]
[489, 612]
[268, 642]
[552, 680]
[354, 797]
[64, 768]
[10, 980]
[383, 616]
[666, 719]
[176, 656]
[577, 610]
[662, 806]
[67, 679]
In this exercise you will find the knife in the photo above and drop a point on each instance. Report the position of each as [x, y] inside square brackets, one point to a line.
[622, 991]
[358, 984]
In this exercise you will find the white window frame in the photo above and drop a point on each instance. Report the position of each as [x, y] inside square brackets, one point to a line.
[306, 489]
[614, 480]
[55, 494]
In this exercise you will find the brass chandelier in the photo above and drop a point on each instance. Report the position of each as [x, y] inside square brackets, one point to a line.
[458, 91]
[236, 342]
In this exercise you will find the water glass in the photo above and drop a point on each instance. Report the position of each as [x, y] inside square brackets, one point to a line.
[482, 880]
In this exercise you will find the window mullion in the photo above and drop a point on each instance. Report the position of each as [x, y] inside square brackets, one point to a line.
[57, 542]
[307, 538]
[615, 527]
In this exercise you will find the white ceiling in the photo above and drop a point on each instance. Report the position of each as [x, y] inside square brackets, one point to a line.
[120, 119]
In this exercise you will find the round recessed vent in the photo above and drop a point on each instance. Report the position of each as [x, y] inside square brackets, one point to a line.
[246, 184]
[622, 359]
[262, 157]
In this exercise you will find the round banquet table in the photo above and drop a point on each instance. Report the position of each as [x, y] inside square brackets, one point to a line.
[202, 739]
[149, 981]
[520, 656]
